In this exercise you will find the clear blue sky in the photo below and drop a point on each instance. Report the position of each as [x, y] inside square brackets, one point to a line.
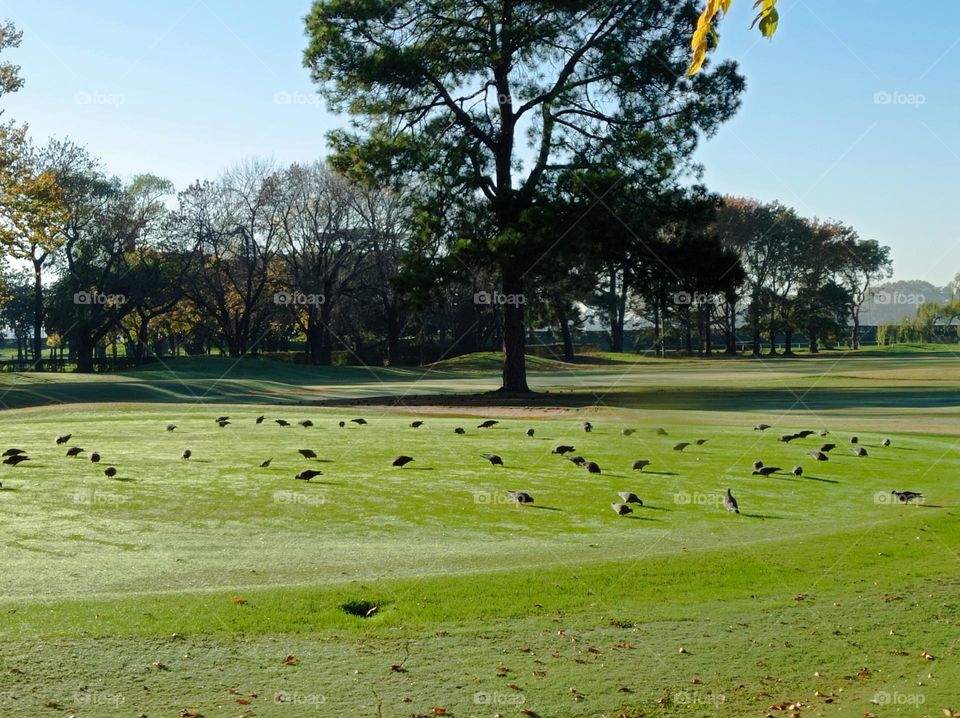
[185, 88]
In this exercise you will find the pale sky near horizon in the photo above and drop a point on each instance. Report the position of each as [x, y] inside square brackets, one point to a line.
[850, 113]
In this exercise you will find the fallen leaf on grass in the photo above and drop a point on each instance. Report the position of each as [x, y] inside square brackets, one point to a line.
[927, 656]
[397, 668]
[239, 600]
[290, 660]
[190, 713]
[438, 711]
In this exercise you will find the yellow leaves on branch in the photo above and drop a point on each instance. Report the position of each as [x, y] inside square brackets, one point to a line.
[706, 35]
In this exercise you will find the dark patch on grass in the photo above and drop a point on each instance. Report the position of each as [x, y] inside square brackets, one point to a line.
[361, 608]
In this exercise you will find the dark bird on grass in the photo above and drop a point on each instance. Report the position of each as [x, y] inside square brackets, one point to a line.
[74, 451]
[222, 419]
[307, 453]
[282, 422]
[487, 424]
[641, 464]
[804, 434]
[628, 497]
[341, 424]
[359, 421]
[521, 497]
[885, 442]
[171, 427]
[95, 457]
[621, 509]
[907, 496]
[530, 433]
[587, 426]
[308, 474]
[577, 460]
[828, 447]
[110, 472]
[700, 442]
[305, 423]
[628, 432]
[761, 427]
[416, 424]
[402, 460]
[730, 503]
[819, 455]
[16, 459]
[854, 439]
[186, 454]
[260, 419]
[63, 439]
[493, 459]
[563, 449]
[860, 451]
[13, 452]
[681, 446]
[661, 432]
[592, 467]
[787, 438]
[265, 463]
[823, 432]
[766, 471]
[460, 430]
[797, 471]
[223, 423]
[757, 465]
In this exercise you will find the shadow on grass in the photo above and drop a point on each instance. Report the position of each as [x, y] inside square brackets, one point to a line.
[761, 516]
[820, 478]
[543, 508]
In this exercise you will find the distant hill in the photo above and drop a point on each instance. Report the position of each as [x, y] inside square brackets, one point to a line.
[894, 301]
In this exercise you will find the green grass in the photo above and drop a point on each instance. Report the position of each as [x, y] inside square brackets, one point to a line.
[187, 584]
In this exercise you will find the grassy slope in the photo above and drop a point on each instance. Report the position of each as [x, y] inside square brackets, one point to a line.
[105, 572]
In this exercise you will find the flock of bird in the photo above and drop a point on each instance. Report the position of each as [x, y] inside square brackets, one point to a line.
[16, 456]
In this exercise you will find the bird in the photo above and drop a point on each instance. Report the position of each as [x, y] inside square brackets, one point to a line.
[628, 432]
[823, 432]
[260, 419]
[305, 423]
[907, 496]
[819, 455]
[797, 471]
[766, 471]
[16, 459]
[854, 439]
[282, 422]
[861, 451]
[110, 472]
[530, 433]
[307, 453]
[416, 424]
[700, 442]
[761, 427]
[95, 457]
[402, 460]
[74, 451]
[757, 465]
[592, 467]
[681, 446]
[63, 439]
[13, 452]
[186, 454]
[641, 464]
[308, 474]
[223, 423]
[171, 427]
[493, 459]
[265, 463]
[828, 447]
[621, 509]
[341, 424]
[661, 432]
[359, 421]
[885, 442]
[787, 438]
[487, 424]
[804, 434]
[577, 460]
[521, 497]
[563, 449]
[730, 503]
[460, 430]
[222, 418]
[629, 497]
[587, 426]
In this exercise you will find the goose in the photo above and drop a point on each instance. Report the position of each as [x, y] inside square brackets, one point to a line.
[493, 459]
[359, 420]
[640, 464]
[804, 434]
[621, 509]
[660, 432]
[681, 446]
[341, 424]
[460, 430]
[797, 471]
[220, 419]
[761, 427]
[305, 423]
[261, 418]
[416, 424]
[861, 451]
[819, 455]
[110, 472]
[95, 457]
[700, 442]
[74, 451]
[766, 471]
[757, 465]
[854, 439]
[223, 423]
[577, 460]
[171, 427]
[587, 426]
[787, 438]
[282, 422]
[186, 454]
[265, 463]
[563, 449]
[307, 453]
[885, 442]
[628, 497]
[13, 452]
[827, 447]
[521, 497]
[530, 433]
[63, 439]
[402, 461]
[487, 424]
[16, 459]
[308, 474]
[628, 432]
[592, 467]
[907, 496]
